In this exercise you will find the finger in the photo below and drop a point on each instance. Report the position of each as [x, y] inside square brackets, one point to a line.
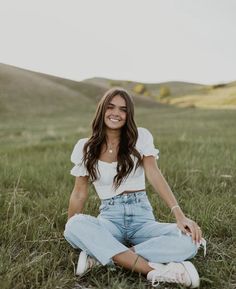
[196, 234]
[199, 234]
[193, 232]
[198, 230]
[181, 227]
[187, 229]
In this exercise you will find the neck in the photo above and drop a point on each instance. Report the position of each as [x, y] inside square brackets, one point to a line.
[112, 135]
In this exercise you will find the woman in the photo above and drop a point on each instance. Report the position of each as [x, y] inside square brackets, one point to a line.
[116, 159]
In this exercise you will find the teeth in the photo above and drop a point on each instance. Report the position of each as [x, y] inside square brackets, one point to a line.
[115, 120]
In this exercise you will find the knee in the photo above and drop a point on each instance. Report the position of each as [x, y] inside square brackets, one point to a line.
[72, 225]
[79, 223]
[190, 249]
[69, 236]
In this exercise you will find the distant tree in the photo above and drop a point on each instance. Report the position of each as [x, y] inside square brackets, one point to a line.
[147, 93]
[115, 83]
[139, 88]
[219, 85]
[164, 91]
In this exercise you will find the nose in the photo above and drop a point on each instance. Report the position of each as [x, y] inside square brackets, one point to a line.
[116, 112]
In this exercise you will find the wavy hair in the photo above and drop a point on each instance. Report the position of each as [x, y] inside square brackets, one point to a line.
[128, 139]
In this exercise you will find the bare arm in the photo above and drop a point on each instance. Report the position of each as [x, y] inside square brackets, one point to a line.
[160, 185]
[78, 196]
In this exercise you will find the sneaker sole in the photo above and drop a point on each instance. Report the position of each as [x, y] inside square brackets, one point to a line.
[82, 261]
[193, 274]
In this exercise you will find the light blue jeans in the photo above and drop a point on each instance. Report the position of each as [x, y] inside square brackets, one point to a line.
[127, 220]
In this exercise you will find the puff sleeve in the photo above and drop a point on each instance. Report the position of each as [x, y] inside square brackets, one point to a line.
[79, 170]
[146, 144]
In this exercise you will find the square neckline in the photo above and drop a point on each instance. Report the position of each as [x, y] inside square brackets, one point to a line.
[107, 162]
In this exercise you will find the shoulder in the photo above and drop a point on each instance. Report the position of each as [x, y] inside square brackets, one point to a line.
[143, 131]
[77, 152]
[145, 143]
[81, 142]
[144, 135]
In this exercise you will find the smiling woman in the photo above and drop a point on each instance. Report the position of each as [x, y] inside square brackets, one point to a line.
[115, 159]
[115, 117]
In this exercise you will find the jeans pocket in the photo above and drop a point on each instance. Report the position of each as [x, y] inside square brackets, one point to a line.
[146, 205]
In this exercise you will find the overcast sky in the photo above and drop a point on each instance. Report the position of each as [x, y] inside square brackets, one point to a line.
[140, 40]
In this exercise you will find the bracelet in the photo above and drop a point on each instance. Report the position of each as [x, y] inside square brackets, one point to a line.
[176, 206]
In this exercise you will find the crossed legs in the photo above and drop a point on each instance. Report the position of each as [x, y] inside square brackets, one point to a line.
[87, 233]
[130, 260]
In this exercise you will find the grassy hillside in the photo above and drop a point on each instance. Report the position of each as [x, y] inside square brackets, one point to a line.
[25, 93]
[29, 93]
[181, 94]
[177, 88]
[219, 98]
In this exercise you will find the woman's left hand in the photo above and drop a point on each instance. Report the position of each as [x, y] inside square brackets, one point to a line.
[189, 227]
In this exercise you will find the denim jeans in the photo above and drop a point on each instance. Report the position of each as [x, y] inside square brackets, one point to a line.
[126, 220]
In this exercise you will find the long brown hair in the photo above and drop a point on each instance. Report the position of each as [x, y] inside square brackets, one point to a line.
[128, 138]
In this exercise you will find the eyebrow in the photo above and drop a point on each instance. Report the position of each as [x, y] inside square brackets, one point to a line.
[110, 103]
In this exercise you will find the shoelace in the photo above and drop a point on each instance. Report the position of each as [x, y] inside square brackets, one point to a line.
[161, 278]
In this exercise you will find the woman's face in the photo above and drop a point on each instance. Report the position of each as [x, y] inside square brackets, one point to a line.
[115, 115]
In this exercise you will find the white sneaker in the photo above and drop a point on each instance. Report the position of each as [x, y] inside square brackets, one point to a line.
[183, 273]
[85, 262]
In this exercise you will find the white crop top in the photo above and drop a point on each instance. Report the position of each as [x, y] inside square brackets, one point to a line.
[104, 184]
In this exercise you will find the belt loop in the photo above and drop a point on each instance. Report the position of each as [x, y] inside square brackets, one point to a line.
[138, 198]
[111, 202]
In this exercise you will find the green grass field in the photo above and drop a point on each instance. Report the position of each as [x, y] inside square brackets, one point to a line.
[197, 157]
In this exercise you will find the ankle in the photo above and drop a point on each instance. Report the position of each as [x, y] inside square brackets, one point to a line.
[149, 269]
[155, 266]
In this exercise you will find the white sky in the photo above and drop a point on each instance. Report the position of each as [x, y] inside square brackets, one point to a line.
[141, 40]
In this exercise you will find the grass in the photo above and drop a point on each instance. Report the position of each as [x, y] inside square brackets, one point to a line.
[197, 158]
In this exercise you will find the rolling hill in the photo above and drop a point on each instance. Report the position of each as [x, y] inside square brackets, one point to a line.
[31, 93]
[182, 94]
[24, 92]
